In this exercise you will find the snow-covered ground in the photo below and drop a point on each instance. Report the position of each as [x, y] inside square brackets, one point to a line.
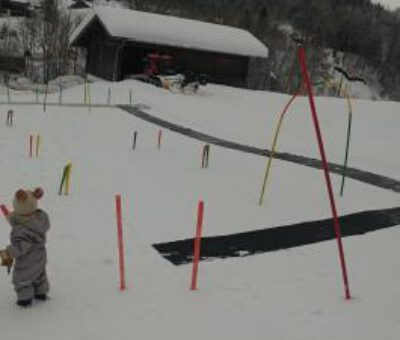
[291, 294]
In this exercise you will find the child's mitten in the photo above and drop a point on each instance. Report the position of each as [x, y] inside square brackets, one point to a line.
[6, 260]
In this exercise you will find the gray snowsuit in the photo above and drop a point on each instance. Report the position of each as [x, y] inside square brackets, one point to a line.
[28, 239]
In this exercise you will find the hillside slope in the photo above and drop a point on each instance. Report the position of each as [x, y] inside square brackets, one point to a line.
[290, 294]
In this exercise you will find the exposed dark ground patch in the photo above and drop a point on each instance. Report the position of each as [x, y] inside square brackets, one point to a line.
[278, 238]
[356, 174]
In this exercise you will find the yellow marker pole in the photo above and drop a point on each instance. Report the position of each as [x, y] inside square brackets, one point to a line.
[272, 152]
[67, 181]
[89, 97]
[84, 93]
[37, 145]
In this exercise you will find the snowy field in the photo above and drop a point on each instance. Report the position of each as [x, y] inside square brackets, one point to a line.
[289, 294]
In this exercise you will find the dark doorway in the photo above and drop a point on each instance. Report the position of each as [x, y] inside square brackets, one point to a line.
[133, 60]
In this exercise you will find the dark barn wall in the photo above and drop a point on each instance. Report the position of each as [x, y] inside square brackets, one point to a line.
[101, 51]
[221, 68]
[132, 59]
[15, 8]
[101, 58]
[106, 55]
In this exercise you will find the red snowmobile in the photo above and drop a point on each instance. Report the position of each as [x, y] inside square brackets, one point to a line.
[159, 71]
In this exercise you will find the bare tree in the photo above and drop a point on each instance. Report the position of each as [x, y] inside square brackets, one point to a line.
[46, 33]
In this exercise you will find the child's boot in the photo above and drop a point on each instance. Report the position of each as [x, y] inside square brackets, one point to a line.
[41, 297]
[24, 303]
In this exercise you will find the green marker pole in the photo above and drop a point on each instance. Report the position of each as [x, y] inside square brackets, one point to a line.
[64, 176]
[346, 158]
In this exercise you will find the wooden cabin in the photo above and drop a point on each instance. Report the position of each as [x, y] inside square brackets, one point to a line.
[118, 40]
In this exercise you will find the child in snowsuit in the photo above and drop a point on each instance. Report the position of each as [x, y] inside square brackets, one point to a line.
[27, 249]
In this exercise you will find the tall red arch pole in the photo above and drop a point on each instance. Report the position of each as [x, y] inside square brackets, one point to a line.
[307, 82]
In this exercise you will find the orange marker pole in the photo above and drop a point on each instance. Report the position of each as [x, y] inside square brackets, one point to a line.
[121, 253]
[197, 245]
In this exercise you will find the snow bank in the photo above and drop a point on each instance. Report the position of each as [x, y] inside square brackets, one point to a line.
[24, 84]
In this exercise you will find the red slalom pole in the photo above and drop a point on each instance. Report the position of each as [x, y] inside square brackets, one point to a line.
[197, 245]
[4, 210]
[307, 81]
[121, 252]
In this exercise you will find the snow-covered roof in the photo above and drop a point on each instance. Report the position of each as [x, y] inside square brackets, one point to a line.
[173, 31]
[79, 4]
[22, 1]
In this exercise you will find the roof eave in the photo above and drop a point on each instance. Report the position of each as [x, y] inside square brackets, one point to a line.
[95, 17]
